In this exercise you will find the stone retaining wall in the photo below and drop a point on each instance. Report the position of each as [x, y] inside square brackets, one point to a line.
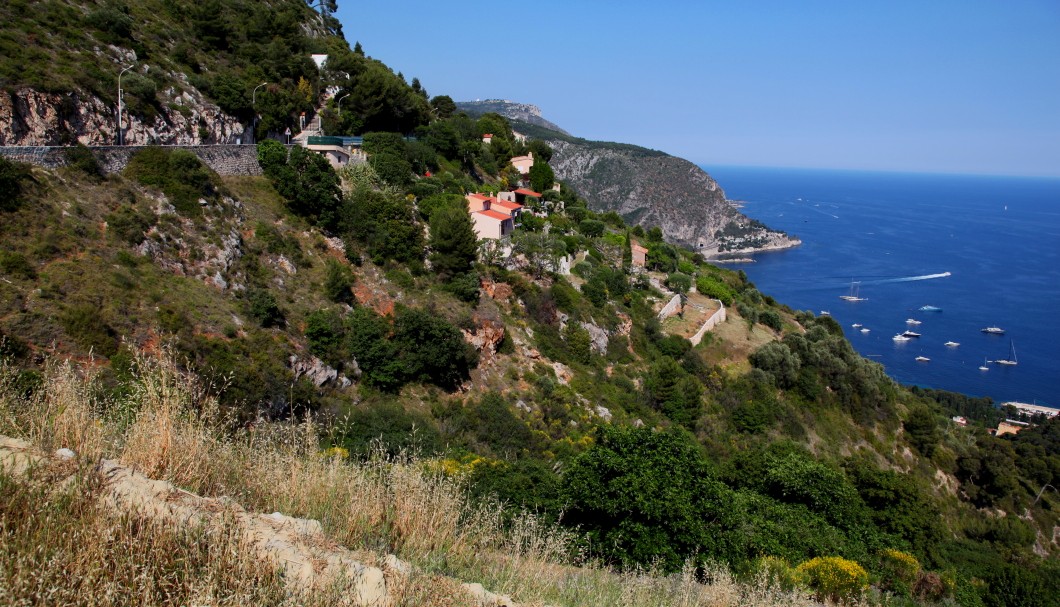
[715, 319]
[224, 159]
[671, 308]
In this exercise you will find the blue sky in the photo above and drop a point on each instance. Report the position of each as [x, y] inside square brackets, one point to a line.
[933, 86]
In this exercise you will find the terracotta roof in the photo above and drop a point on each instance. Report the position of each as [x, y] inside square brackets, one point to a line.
[527, 192]
[519, 158]
[637, 247]
[504, 204]
[493, 215]
[478, 196]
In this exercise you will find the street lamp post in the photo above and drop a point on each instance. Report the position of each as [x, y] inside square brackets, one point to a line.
[254, 95]
[121, 139]
[338, 103]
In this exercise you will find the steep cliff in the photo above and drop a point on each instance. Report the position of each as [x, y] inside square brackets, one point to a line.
[30, 117]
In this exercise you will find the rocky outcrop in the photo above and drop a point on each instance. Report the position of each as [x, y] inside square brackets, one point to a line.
[654, 189]
[34, 118]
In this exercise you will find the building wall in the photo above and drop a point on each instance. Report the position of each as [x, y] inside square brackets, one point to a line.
[486, 227]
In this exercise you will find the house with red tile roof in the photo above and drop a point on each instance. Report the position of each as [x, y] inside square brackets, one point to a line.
[487, 138]
[492, 217]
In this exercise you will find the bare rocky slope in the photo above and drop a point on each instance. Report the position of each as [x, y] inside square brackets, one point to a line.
[647, 187]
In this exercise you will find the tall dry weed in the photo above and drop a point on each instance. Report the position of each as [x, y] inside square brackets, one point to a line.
[166, 424]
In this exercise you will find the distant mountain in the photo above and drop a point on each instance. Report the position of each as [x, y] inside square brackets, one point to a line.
[647, 187]
[521, 112]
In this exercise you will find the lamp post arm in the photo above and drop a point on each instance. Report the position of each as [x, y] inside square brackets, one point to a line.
[1042, 490]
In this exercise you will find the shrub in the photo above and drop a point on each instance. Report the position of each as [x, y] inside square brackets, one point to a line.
[85, 324]
[592, 228]
[263, 308]
[679, 282]
[338, 279]
[129, 224]
[13, 176]
[712, 287]
[464, 286]
[833, 578]
[179, 174]
[16, 264]
[898, 570]
[80, 158]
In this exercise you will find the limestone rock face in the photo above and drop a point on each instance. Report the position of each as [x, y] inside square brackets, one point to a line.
[34, 118]
[487, 336]
[313, 369]
[654, 189]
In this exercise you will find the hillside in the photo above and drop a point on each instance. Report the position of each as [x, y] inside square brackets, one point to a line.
[545, 414]
[646, 187]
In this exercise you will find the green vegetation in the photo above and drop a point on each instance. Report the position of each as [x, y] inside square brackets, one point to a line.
[770, 448]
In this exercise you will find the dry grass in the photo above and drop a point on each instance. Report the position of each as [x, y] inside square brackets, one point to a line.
[167, 426]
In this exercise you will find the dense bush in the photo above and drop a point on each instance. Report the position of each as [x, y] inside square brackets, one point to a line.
[306, 181]
[13, 176]
[338, 281]
[179, 174]
[834, 578]
[646, 497]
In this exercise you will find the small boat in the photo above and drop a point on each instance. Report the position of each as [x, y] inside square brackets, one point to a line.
[855, 288]
[825, 313]
[912, 321]
[856, 325]
[922, 359]
[900, 338]
[930, 309]
[983, 366]
[864, 330]
[952, 344]
[1011, 362]
[910, 334]
[993, 330]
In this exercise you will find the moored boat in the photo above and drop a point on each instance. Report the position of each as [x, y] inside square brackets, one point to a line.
[1011, 361]
[952, 344]
[993, 330]
[930, 309]
[983, 366]
[912, 321]
[910, 334]
[864, 330]
[854, 295]
[922, 359]
[900, 338]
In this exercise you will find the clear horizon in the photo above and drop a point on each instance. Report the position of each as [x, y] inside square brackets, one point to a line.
[944, 87]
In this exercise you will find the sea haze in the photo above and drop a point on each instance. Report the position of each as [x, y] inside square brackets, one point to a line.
[999, 237]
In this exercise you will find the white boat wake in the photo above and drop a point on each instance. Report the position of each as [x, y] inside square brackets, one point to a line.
[906, 279]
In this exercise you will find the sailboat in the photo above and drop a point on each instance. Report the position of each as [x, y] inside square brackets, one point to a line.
[983, 366]
[1009, 361]
[855, 287]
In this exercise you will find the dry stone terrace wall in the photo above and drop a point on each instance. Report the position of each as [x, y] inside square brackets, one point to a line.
[224, 159]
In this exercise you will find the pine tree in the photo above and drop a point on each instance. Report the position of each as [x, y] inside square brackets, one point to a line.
[453, 242]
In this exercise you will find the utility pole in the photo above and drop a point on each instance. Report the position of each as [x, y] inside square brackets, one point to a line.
[121, 139]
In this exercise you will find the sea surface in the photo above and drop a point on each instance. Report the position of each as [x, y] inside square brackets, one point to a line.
[895, 233]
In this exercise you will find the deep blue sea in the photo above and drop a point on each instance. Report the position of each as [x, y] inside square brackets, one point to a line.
[999, 237]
